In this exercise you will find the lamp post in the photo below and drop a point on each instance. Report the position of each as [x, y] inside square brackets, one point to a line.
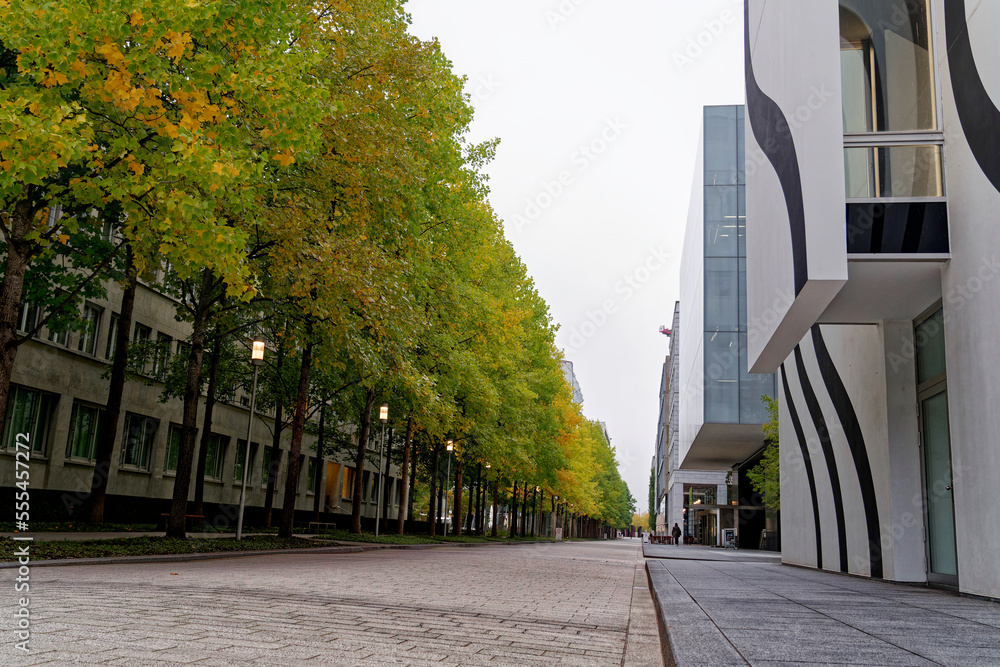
[256, 358]
[383, 416]
[444, 515]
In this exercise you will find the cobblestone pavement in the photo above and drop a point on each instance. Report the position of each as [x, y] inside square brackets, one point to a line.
[551, 604]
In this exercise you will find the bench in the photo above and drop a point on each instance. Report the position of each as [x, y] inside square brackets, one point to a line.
[188, 523]
[320, 524]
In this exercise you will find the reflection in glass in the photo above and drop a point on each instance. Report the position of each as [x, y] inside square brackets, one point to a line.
[929, 341]
[896, 171]
[721, 294]
[940, 501]
[722, 378]
[721, 221]
[720, 146]
[886, 67]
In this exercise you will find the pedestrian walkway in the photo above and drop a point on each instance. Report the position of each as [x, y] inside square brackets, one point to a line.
[726, 608]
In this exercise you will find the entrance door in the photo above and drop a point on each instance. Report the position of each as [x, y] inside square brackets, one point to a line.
[932, 388]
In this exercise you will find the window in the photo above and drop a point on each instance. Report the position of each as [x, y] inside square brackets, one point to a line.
[109, 351]
[265, 467]
[311, 475]
[173, 448]
[241, 453]
[139, 354]
[722, 389]
[374, 492]
[28, 316]
[365, 478]
[84, 431]
[216, 455]
[138, 441]
[721, 294]
[91, 327]
[161, 354]
[59, 337]
[347, 491]
[29, 411]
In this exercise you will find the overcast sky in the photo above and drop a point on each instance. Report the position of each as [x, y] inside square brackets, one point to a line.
[598, 108]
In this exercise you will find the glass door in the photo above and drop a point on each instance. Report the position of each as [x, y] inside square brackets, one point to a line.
[938, 491]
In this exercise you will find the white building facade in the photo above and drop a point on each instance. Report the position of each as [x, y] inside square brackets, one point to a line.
[873, 185]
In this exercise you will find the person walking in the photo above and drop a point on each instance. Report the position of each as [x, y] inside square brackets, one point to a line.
[676, 532]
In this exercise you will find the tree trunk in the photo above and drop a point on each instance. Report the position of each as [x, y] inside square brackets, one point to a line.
[189, 424]
[275, 463]
[206, 426]
[320, 465]
[524, 509]
[513, 513]
[386, 488]
[298, 426]
[404, 480]
[94, 509]
[359, 462]
[432, 509]
[19, 250]
[457, 511]
[493, 532]
[479, 502]
[413, 479]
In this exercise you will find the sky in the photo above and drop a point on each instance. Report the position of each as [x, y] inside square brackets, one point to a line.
[597, 105]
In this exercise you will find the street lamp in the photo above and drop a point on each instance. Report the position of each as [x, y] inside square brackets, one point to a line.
[383, 415]
[450, 446]
[256, 359]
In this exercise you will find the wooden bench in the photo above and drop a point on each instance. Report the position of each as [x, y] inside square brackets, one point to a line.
[165, 518]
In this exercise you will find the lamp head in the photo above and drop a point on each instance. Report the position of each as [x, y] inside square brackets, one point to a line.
[257, 351]
[383, 413]
[450, 445]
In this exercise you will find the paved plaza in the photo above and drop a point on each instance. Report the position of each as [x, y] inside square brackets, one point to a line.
[731, 608]
[542, 604]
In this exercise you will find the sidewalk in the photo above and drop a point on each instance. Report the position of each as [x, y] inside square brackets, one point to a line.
[722, 608]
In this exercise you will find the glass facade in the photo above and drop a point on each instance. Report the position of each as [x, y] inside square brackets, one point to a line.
[732, 396]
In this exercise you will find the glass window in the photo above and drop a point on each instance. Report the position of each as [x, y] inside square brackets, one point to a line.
[29, 411]
[138, 441]
[347, 490]
[752, 388]
[374, 494]
[109, 351]
[741, 220]
[265, 467]
[897, 171]
[743, 295]
[91, 327]
[241, 453]
[886, 66]
[59, 337]
[721, 294]
[722, 394]
[84, 431]
[28, 316]
[741, 159]
[139, 350]
[929, 341]
[215, 456]
[311, 475]
[720, 146]
[161, 354]
[721, 221]
[173, 448]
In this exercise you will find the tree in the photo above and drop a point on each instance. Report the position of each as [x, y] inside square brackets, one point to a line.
[652, 499]
[766, 475]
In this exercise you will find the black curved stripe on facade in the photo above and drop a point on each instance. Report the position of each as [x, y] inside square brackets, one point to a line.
[976, 110]
[856, 441]
[771, 130]
[819, 421]
[801, 437]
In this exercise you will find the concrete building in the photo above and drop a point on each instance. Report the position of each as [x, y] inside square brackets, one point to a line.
[58, 394]
[719, 408]
[570, 376]
[873, 182]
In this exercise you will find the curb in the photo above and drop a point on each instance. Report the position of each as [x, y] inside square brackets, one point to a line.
[184, 558]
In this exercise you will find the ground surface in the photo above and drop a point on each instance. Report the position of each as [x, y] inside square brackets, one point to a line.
[733, 608]
[548, 604]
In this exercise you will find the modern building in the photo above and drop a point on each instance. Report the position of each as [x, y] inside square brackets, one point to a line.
[719, 407]
[58, 394]
[567, 367]
[873, 185]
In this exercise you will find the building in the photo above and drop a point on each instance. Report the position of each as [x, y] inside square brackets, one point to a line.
[719, 407]
[58, 394]
[570, 376]
[660, 463]
[873, 182]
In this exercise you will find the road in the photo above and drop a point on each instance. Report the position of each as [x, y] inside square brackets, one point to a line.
[547, 604]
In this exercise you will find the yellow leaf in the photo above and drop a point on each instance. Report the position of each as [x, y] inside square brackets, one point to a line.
[137, 167]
